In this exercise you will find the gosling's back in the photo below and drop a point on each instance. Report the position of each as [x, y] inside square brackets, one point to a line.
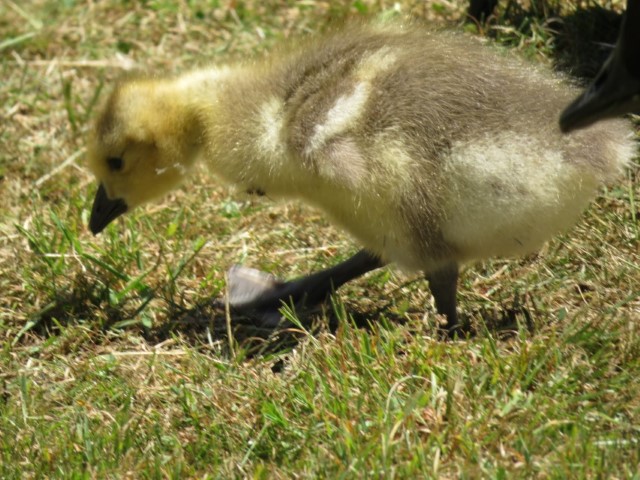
[427, 146]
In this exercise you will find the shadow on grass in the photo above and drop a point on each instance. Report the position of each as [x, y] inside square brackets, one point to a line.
[586, 40]
[84, 302]
[579, 42]
[208, 322]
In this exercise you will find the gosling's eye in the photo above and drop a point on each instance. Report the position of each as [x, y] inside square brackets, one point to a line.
[115, 164]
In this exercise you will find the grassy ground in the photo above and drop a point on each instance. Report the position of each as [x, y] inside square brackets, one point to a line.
[115, 363]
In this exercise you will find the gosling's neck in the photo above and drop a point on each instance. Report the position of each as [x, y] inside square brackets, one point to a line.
[238, 119]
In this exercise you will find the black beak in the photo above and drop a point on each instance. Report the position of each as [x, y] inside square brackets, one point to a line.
[104, 210]
[616, 89]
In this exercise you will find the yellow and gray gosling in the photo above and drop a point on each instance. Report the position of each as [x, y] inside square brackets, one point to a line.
[430, 149]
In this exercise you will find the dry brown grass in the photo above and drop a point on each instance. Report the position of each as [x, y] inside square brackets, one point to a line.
[119, 330]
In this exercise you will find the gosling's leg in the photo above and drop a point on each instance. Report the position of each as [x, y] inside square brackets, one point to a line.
[443, 284]
[254, 291]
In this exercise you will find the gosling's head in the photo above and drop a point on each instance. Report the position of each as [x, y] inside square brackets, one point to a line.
[142, 145]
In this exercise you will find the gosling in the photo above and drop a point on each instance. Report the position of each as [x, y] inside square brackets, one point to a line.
[429, 148]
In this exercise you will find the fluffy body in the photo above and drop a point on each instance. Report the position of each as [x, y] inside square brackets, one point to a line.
[428, 147]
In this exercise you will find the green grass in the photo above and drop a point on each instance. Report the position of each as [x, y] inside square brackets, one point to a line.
[116, 363]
